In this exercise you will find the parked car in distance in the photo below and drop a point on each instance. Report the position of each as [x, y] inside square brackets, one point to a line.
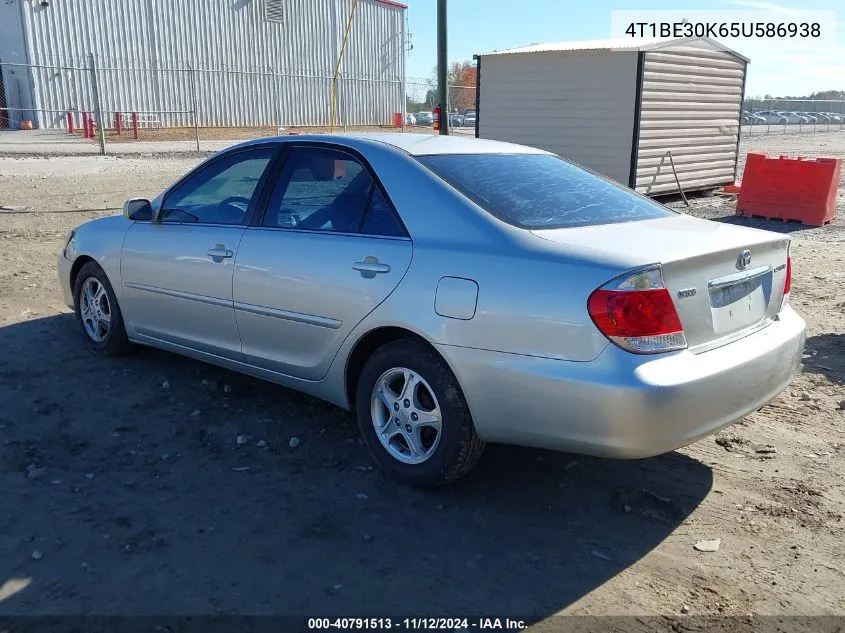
[811, 117]
[469, 118]
[449, 291]
[456, 120]
[835, 117]
[424, 118]
[792, 117]
[795, 118]
[749, 118]
[772, 117]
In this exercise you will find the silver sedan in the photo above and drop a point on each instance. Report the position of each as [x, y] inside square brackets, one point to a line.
[449, 291]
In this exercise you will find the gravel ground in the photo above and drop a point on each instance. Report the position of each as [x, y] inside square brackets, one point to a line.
[126, 491]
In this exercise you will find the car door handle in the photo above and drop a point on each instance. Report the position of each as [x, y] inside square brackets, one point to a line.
[371, 265]
[219, 251]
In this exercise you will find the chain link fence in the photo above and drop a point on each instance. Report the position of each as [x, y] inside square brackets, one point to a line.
[89, 107]
[759, 116]
[421, 98]
[791, 116]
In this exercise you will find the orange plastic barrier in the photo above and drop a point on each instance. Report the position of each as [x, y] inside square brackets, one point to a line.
[789, 188]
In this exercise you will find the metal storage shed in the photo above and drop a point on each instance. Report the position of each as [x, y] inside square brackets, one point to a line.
[618, 106]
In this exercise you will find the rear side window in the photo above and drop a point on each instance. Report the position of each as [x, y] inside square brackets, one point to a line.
[540, 191]
[319, 189]
[379, 219]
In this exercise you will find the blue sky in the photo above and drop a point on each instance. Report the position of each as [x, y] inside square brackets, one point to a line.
[483, 25]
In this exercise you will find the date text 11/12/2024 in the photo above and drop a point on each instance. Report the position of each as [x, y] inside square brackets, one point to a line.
[417, 624]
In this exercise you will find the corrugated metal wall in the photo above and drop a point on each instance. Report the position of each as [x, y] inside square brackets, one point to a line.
[691, 101]
[15, 88]
[579, 104]
[155, 55]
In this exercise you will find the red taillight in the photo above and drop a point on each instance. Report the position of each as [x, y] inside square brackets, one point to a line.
[634, 312]
[787, 283]
[637, 313]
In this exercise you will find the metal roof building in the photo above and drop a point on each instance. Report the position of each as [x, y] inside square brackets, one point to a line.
[242, 62]
[618, 107]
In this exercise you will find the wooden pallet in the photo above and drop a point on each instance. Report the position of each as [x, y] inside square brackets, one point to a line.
[784, 220]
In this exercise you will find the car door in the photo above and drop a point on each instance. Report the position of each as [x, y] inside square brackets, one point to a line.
[177, 270]
[327, 250]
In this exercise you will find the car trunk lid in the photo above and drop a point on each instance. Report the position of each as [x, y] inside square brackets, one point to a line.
[725, 280]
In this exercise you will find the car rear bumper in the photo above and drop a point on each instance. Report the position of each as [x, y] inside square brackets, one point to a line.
[64, 265]
[623, 405]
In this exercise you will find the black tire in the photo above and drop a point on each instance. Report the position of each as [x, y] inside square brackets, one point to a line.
[459, 447]
[115, 342]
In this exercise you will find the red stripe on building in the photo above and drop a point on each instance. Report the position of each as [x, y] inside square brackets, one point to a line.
[392, 3]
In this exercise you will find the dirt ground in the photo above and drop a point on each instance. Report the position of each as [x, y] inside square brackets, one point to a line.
[125, 491]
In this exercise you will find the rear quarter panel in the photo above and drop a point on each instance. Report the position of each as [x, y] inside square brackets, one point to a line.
[525, 305]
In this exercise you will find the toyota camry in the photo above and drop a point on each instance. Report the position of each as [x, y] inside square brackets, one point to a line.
[450, 292]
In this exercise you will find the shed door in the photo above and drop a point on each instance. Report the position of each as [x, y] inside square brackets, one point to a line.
[691, 101]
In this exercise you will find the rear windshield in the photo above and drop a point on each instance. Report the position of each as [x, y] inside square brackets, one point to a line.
[540, 191]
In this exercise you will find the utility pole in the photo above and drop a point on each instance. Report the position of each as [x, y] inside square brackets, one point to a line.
[442, 67]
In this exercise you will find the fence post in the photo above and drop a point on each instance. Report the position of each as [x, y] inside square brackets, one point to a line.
[448, 110]
[404, 80]
[340, 85]
[277, 81]
[195, 99]
[97, 103]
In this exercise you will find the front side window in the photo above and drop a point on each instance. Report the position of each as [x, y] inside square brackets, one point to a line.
[540, 191]
[221, 192]
[319, 189]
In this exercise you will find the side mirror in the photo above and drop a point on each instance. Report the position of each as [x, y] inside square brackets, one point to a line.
[138, 209]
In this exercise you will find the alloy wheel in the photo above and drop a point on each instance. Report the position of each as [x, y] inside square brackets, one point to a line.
[95, 310]
[406, 415]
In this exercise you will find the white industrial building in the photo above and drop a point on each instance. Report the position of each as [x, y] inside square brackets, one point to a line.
[618, 107]
[234, 62]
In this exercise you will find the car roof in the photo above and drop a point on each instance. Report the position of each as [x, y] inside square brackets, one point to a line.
[427, 144]
[414, 144]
